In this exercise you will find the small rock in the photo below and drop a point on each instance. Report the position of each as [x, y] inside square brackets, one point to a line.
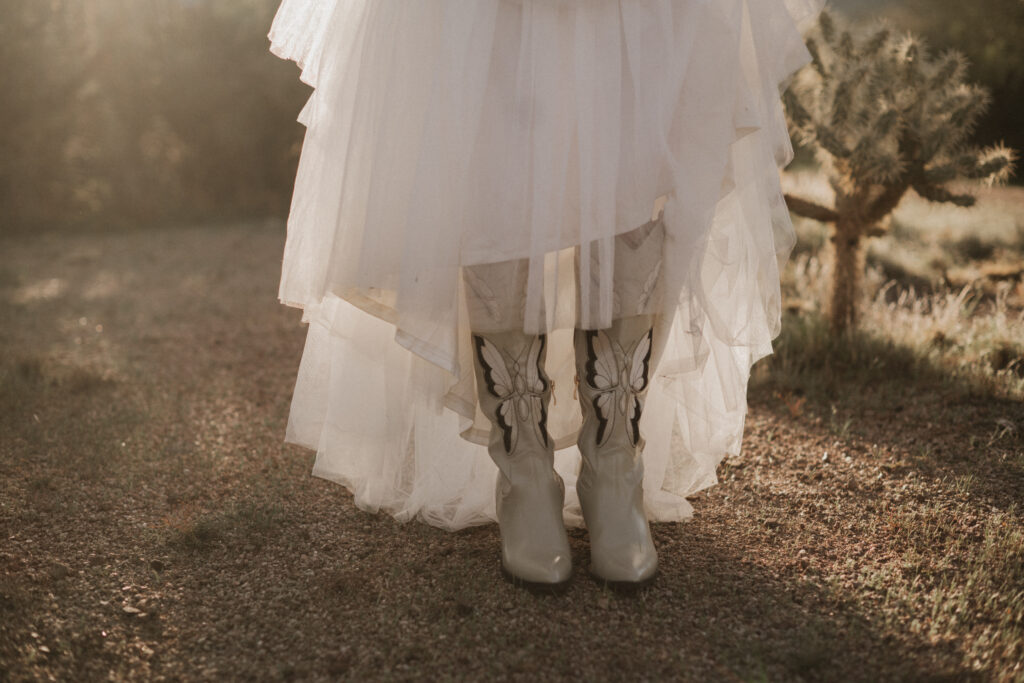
[157, 565]
[128, 609]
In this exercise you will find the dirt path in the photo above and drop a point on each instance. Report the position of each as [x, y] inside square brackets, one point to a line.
[153, 526]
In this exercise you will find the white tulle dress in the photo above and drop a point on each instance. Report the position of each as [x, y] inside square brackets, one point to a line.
[451, 133]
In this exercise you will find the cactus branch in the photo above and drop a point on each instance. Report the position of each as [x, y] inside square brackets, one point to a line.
[937, 193]
[809, 209]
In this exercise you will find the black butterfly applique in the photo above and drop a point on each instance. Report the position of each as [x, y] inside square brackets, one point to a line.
[618, 378]
[520, 386]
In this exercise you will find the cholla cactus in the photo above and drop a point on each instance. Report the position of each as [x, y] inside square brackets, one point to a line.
[884, 117]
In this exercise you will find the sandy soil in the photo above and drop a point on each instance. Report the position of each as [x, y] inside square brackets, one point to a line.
[155, 527]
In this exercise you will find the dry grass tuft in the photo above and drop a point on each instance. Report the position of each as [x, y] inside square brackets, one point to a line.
[964, 330]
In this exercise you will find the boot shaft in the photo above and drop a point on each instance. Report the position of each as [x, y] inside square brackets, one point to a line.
[514, 391]
[613, 371]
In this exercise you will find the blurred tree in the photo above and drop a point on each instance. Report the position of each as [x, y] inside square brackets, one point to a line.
[883, 117]
[989, 34]
[46, 57]
[141, 112]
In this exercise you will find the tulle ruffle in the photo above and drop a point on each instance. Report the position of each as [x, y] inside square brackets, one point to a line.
[445, 134]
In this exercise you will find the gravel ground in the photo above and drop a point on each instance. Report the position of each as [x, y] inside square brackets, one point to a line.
[154, 526]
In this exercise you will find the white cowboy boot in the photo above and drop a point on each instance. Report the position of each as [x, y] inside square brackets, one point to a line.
[514, 392]
[613, 369]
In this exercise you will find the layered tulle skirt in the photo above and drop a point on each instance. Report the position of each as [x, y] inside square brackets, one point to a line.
[445, 135]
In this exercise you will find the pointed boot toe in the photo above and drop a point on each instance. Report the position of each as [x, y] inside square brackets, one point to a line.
[634, 564]
[534, 544]
[621, 547]
[538, 570]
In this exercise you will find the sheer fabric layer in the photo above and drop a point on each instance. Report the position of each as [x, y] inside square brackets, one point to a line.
[447, 137]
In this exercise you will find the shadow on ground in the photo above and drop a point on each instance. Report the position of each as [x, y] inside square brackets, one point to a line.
[949, 426]
[157, 527]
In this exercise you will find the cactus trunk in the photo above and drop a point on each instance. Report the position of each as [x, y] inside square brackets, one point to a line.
[848, 270]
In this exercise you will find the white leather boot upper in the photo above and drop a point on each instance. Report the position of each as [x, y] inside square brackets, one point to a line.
[613, 368]
[514, 392]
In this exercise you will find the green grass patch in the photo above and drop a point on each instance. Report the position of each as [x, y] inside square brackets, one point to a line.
[197, 535]
[960, 576]
[245, 522]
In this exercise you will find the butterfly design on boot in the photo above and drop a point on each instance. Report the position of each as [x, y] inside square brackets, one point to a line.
[520, 386]
[618, 377]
